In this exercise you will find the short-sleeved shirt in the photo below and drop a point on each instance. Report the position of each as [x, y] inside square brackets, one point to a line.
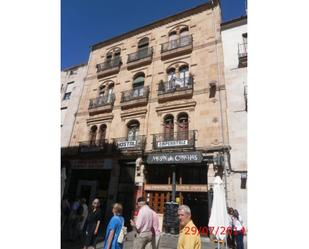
[92, 219]
[188, 239]
[115, 224]
[144, 219]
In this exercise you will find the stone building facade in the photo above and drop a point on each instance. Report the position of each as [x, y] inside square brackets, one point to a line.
[152, 116]
[234, 39]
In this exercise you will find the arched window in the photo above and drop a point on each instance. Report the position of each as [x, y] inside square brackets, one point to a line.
[110, 92]
[143, 47]
[102, 134]
[172, 37]
[184, 75]
[109, 56]
[171, 77]
[102, 90]
[183, 126]
[93, 135]
[184, 36]
[133, 130]
[138, 84]
[168, 124]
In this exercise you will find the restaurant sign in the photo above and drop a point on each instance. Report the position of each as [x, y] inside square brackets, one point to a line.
[172, 143]
[126, 144]
[175, 158]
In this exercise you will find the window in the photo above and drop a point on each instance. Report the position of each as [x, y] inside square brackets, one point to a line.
[93, 135]
[138, 85]
[143, 47]
[68, 90]
[183, 126]
[133, 130]
[63, 113]
[183, 75]
[168, 125]
[244, 37]
[102, 134]
[67, 96]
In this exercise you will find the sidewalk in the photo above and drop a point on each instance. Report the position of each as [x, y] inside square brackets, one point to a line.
[167, 241]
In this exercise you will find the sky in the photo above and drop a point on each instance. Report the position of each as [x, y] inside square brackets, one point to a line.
[87, 22]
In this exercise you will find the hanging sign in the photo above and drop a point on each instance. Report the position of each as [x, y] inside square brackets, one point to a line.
[126, 144]
[172, 143]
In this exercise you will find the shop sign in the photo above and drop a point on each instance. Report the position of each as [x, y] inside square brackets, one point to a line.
[175, 158]
[179, 187]
[172, 143]
[92, 164]
[126, 144]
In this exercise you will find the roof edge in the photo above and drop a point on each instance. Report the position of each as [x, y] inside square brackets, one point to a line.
[234, 23]
[188, 12]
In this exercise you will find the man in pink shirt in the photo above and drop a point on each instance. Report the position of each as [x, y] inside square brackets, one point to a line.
[143, 225]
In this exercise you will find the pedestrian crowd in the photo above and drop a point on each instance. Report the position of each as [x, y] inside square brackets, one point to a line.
[82, 222]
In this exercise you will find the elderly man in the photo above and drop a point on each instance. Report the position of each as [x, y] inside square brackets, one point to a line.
[189, 237]
[143, 225]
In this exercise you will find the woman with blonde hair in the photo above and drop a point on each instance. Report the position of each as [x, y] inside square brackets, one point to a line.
[114, 228]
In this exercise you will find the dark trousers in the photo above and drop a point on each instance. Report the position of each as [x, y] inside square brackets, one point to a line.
[239, 240]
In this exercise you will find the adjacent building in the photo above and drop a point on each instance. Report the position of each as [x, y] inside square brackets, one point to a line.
[152, 119]
[234, 39]
[72, 82]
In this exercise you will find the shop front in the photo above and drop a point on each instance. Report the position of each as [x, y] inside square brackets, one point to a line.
[179, 177]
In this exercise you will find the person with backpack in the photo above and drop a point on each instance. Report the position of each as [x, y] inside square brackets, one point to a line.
[115, 229]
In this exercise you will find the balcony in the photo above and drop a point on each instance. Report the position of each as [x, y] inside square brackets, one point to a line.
[130, 144]
[176, 88]
[101, 104]
[140, 58]
[177, 47]
[93, 146]
[109, 67]
[242, 55]
[135, 97]
[174, 140]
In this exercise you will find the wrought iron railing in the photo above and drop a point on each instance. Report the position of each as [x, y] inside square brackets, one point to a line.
[177, 43]
[183, 139]
[93, 146]
[175, 84]
[101, 101]
[116, 62]
[242, 50]
[140, 54]
[135, 93]
[130, 143]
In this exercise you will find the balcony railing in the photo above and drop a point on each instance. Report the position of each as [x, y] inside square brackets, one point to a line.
[140, 54]
[93, 146]
[173, 140]
[133, 143]
[114, 63]
[135, 94]
[177, 43]
[175, 84]
[101, 101]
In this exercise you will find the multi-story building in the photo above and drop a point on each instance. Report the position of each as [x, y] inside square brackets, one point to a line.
[72, 82]
[152, 115]
[234, 39]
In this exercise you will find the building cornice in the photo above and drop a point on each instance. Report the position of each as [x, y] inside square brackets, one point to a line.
[156, 24]
[234, 23]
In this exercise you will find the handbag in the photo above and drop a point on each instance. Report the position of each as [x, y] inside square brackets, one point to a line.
[122, 234]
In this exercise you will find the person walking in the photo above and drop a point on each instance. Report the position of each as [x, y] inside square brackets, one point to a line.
[92, 224]
[114, 228]
[73, 220]
[238, 230]
[143, 225]
[83, 215]
[230, 233]
[156, 232]
[189, 237]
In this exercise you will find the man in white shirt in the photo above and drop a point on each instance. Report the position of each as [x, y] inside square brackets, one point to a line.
[143, 225]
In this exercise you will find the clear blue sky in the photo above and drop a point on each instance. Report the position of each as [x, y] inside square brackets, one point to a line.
[86, 22]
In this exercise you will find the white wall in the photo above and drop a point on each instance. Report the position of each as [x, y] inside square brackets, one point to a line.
[236, 80]
[68, 118]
